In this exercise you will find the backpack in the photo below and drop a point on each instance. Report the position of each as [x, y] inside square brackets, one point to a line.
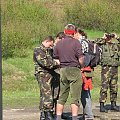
[92, 52]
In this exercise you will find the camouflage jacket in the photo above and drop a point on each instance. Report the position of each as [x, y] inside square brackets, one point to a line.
[43, 61]
[110, 53]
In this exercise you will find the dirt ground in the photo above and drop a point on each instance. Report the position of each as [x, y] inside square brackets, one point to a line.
[33, 113]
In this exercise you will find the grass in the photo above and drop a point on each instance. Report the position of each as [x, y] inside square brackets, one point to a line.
[95, 92]
[97, 85]
[20, 88]
[95, 95]
[31, 21]
[20, 99]
[93, 34]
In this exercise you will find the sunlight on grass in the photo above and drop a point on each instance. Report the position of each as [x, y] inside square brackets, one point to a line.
[20, 99]
[95, 94]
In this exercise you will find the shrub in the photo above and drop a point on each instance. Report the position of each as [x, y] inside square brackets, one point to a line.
[93, 14]
[25, 23]
[14, 44]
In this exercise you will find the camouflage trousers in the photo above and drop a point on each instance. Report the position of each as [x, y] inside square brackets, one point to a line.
[49, 90]
[109, 76]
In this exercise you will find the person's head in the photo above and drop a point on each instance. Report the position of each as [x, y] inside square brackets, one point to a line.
[108, 36]
[48, 42]
[80, 34]
[69, 30]
[59, 37]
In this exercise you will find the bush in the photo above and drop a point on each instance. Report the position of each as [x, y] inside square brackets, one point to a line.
[24, 24]
[93, 14]
[14, 44]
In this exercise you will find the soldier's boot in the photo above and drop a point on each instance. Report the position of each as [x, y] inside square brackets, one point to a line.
[102, 108]
[114, 107]
[49, 115]
[42, 116]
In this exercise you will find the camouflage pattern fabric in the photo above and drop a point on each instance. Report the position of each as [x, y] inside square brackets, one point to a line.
[119, 52]
[46, 100]
[47, 78]
[49, 90]
[110, 60]
[109, 76]
[43, 61]
[110, 52]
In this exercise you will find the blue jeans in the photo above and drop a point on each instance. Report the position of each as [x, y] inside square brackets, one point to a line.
[86, 103]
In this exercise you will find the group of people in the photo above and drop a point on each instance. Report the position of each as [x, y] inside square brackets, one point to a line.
[60, 68]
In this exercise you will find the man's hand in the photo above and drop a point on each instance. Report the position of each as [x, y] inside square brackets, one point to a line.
[56, 60]
[118, 38]
[115, 35]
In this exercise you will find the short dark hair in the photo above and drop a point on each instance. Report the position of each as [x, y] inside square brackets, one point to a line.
[49, 38]
[60, 35]
[78, 30]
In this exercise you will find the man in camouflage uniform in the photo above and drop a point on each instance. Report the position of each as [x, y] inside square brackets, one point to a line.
[44, 72]
[109, 73]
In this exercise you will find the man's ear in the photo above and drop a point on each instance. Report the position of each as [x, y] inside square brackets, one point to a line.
[46, 41]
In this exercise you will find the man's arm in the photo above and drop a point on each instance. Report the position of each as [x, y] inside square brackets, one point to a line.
[81, 61]
[79, 53]
[43, 59]
[100, 41]
[55, 53]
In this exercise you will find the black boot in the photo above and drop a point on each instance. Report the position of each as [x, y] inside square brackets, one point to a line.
[114, 107]
[102, 108]
[42, 116]
[49, 115]
[64, 116]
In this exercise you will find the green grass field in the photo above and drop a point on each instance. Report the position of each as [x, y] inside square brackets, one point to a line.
[20, 88]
